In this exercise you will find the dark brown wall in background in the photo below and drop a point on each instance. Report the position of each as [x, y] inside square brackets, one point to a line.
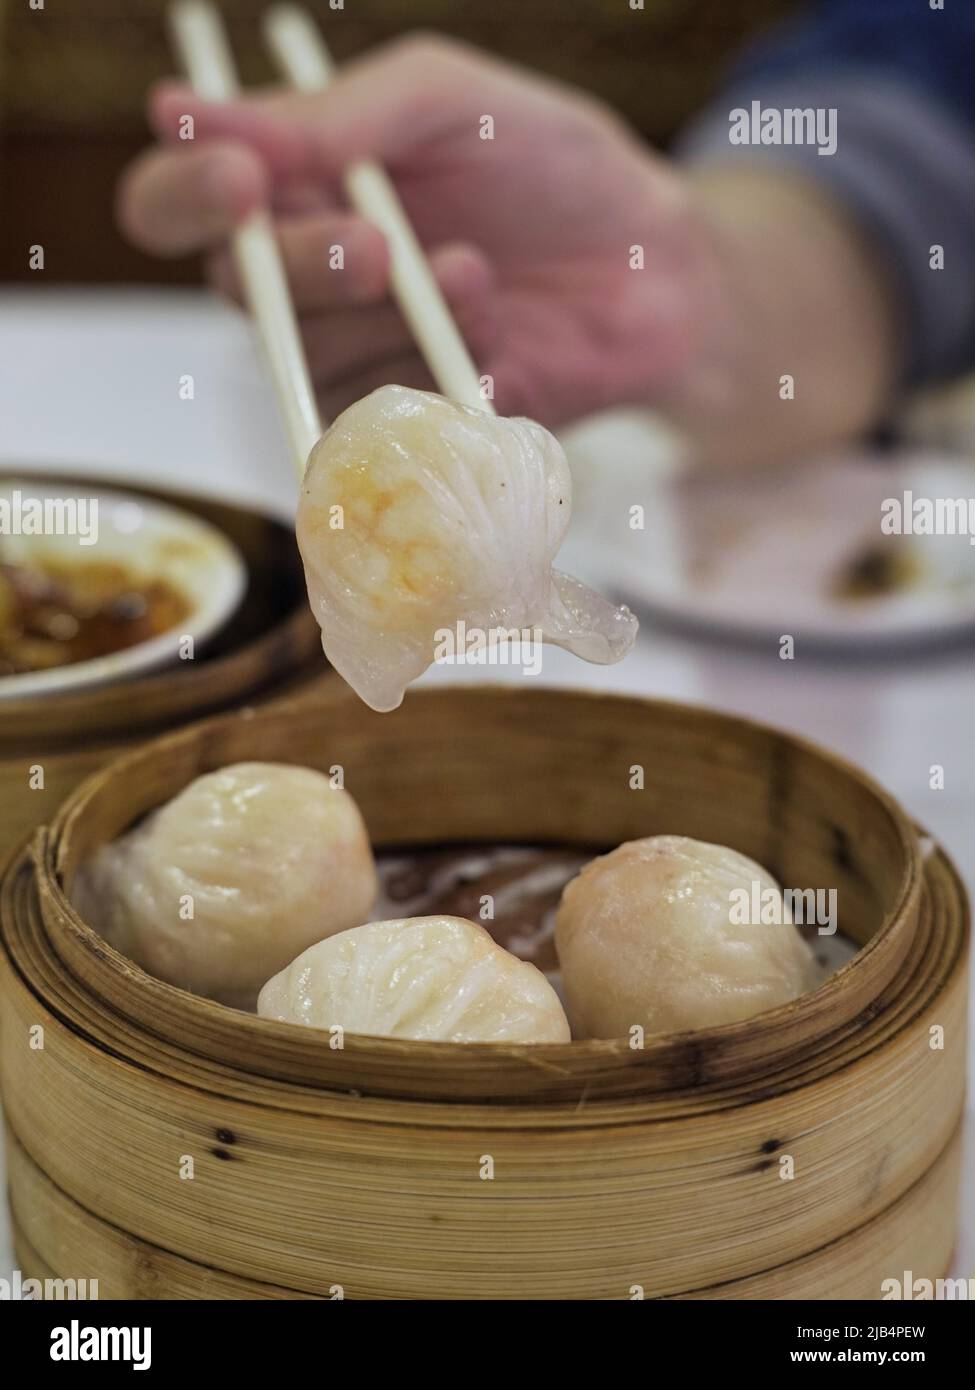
[73, 78]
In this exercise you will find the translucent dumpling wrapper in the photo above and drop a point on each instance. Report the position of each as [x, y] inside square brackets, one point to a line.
[228, 881]
[417, 515]
[649, 936]
[433, 978]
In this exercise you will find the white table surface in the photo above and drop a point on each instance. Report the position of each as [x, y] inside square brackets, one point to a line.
[89, 383]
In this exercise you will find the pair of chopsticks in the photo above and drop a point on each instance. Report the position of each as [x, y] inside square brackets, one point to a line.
[303, 58]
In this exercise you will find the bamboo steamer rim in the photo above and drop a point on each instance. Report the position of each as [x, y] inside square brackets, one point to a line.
[749, 1051]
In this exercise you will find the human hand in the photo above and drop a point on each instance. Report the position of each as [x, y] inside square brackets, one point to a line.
[530, 233]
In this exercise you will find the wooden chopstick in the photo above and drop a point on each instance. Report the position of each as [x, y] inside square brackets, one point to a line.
[303, 57]
[200, 38]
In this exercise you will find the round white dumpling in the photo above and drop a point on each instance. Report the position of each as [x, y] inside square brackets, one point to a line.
[649, 935]
[417, 515]
[441, 978]
[224, 884]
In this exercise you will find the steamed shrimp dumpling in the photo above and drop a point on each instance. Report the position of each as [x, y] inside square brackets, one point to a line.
[224, 884]
[646, 936]
[438, 978]
[417, 514]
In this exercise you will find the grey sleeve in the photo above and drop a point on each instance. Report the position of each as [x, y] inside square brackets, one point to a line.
[906, 168]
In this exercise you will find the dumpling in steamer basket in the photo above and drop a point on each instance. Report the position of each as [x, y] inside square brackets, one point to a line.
[433, 978]
[417, 514]
[228, 881]
[646, 936]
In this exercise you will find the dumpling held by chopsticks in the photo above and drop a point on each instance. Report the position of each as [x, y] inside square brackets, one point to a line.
[416, 515]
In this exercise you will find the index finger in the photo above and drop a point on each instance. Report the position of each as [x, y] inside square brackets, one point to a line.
[383, 105]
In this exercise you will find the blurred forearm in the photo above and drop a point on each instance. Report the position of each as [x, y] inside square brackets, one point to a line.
[854, 257]
[797, 291]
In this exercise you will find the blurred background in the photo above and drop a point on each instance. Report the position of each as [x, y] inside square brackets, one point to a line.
[73, 80]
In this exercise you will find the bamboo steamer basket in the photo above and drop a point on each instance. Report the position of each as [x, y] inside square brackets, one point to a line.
[615, 1170]
[915, 1232]
[270, 647]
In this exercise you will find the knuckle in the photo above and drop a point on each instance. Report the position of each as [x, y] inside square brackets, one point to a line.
[425, 50]
[133, 210]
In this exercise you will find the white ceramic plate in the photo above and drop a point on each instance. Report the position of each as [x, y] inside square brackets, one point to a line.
[151, 539]
[763, 555]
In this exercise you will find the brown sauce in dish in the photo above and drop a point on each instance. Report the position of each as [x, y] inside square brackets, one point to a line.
[54, 613]
[876, 572]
